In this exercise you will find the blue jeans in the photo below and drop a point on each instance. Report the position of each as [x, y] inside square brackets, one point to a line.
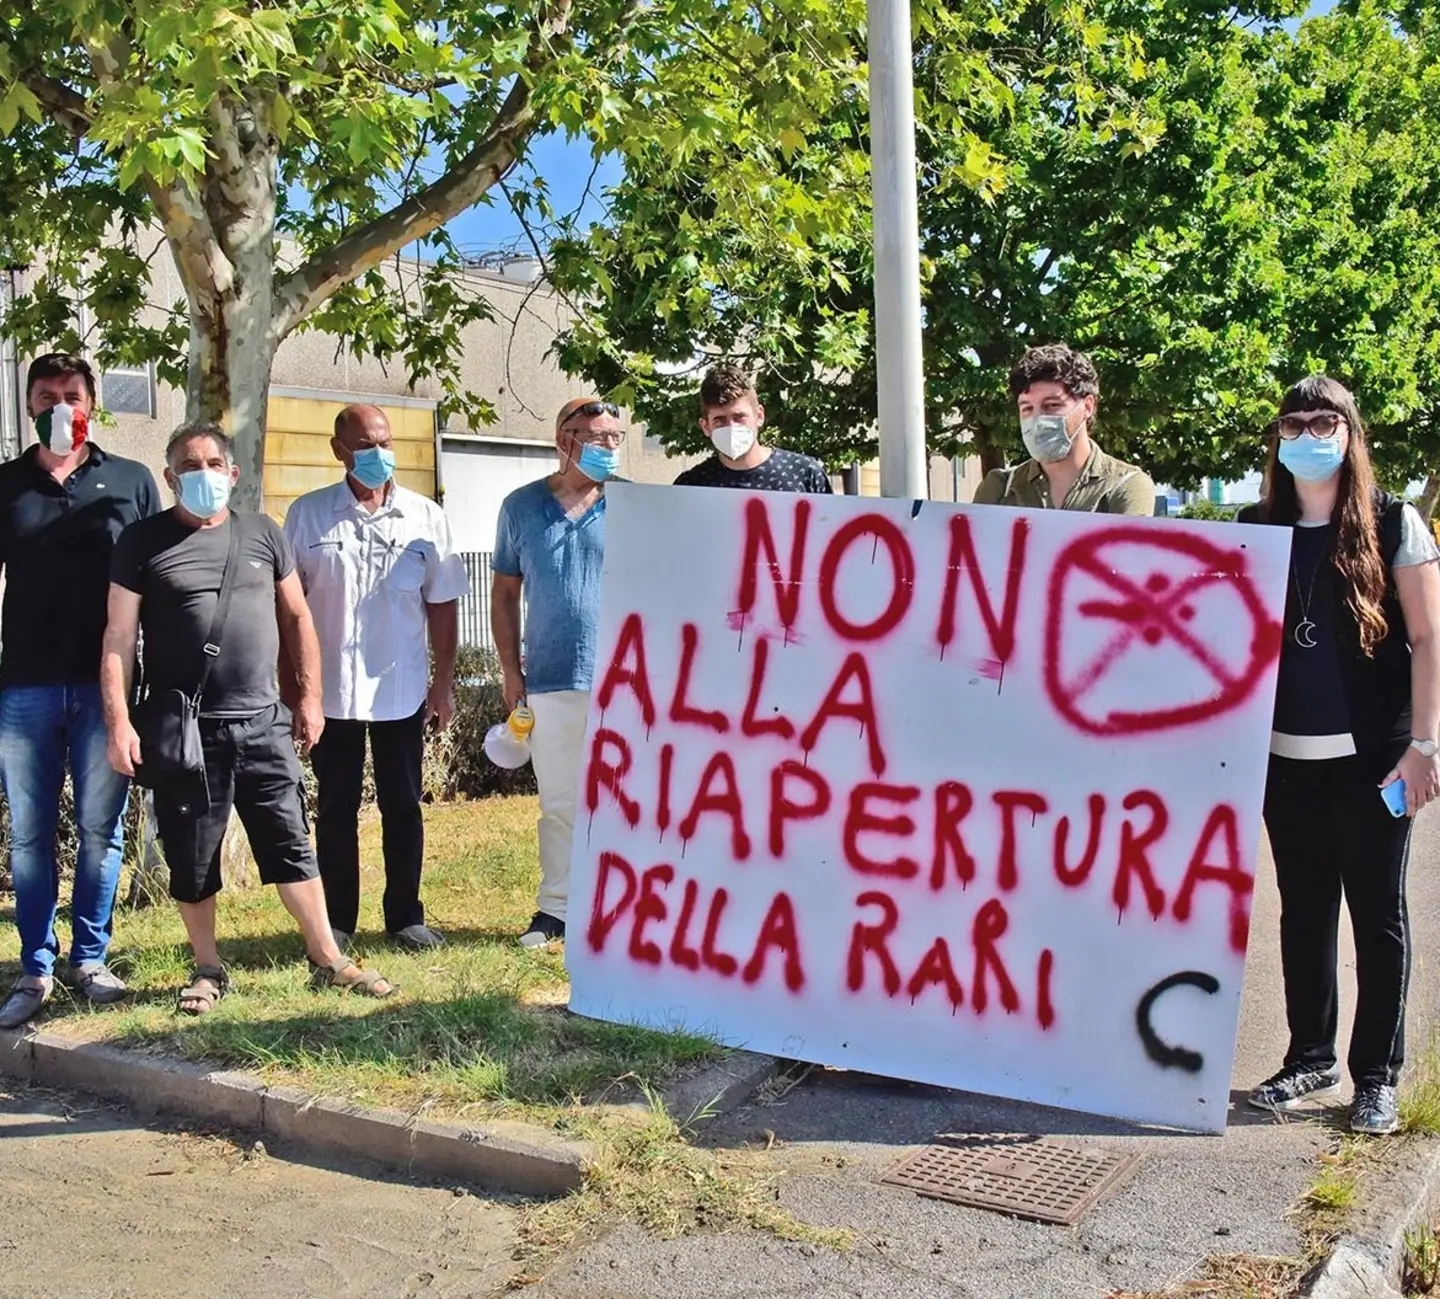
[39, 727]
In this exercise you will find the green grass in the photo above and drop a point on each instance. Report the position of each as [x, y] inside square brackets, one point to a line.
[1420, 1272]
[1333, 1189]
[479, 1024]
[1420, 1096]
[645, 1171]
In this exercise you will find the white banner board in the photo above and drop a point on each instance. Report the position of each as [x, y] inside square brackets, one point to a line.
[963, 795]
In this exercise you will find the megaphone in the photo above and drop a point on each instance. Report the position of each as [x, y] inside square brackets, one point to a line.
[507, 743]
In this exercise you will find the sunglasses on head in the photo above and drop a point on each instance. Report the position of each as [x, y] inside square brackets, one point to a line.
[593, 408]
[1324, 425]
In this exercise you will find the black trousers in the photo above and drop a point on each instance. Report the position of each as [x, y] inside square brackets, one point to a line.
[1331, 835]
[396, 749]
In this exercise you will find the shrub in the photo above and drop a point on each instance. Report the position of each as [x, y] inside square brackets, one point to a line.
[455, 762]
[455, 765]
[1200, 508]
[67, 845]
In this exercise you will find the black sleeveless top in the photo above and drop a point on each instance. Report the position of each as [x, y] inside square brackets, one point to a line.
[1376, 688]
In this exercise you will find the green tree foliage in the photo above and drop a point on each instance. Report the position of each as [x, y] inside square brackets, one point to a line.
[290, 150]
[1087, 174]
[1209, 204]
[1359, 156]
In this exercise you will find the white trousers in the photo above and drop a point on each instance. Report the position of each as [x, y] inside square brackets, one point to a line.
[557, 752]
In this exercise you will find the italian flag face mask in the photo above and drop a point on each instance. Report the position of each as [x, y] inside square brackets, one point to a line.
[62, 429]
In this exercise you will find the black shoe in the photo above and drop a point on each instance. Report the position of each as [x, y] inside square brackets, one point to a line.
[1375, 1111]
[419, 938]
[543, 929]
[1293, 1085]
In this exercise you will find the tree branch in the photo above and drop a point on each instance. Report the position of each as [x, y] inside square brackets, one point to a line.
[66, 107]
[364, 248]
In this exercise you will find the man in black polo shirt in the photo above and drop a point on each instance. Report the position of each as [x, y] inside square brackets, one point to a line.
[63, 503]
[166, 578]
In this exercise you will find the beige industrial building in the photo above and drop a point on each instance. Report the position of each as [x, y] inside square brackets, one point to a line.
[506, 359]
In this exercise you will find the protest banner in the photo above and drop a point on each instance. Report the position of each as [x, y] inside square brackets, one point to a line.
[963, 795]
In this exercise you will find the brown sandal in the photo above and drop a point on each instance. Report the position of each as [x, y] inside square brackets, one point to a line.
[208, 984]
[348, 976]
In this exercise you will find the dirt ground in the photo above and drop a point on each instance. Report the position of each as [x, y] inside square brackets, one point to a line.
[98, 1207]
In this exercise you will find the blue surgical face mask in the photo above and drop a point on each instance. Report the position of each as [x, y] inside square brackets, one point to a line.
[204, 492]
[373, 467]
[1312, 459]
[598, 462]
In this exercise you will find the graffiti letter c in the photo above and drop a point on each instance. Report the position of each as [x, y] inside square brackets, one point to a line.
[1165, 1055]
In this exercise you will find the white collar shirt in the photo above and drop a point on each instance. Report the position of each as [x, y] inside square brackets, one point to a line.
[368, 578]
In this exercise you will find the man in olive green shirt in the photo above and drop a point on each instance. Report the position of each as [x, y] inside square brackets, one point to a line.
[1057, 390]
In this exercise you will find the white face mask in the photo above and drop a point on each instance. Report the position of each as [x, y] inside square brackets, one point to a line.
[1048, 437]
[733, 440]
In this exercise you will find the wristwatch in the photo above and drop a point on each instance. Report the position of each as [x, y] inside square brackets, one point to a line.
[1425, 748]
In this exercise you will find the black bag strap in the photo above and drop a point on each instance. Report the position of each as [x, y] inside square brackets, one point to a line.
[211, 648]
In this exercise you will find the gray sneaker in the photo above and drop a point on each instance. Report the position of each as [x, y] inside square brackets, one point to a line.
[1293, 1086]
[99, 983]
[544, 929]
[342, 939]
[1375, 1111]
[418, 937]
[29, 993]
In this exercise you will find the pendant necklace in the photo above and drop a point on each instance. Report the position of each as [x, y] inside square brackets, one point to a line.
[1304, 633]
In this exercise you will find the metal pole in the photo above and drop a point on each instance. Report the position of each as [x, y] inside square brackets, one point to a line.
[899, 364]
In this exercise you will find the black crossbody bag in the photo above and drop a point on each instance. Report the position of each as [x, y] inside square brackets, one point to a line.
[168, 721]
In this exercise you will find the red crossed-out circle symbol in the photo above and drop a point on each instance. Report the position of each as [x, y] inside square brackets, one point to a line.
[1153, 608]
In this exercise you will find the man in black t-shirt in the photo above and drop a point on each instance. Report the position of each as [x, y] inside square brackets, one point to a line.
[731, 416]
[63, 502]
[165, 581]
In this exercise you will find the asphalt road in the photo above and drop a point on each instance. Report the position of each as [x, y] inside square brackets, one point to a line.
[1191, 1197]
[98, 1206]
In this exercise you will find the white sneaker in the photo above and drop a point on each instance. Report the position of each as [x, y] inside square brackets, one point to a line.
[99, 983]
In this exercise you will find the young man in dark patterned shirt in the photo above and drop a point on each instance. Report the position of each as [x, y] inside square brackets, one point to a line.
[731, 416]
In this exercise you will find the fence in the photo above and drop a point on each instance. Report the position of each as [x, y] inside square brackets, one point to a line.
[475, 603]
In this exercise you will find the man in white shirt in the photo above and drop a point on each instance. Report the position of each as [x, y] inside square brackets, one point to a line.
[382, 579]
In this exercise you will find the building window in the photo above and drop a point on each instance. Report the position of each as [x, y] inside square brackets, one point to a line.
[129, 390]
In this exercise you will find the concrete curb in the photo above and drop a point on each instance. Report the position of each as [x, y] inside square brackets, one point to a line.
[717, 1090]
[502, 1156]
[1366, 1263]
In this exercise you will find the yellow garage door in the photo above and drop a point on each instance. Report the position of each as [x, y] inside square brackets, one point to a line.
[298, 458]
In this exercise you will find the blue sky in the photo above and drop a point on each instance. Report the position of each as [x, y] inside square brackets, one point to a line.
[566, 166]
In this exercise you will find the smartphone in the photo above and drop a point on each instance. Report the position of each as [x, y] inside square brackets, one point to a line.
[1394, 796]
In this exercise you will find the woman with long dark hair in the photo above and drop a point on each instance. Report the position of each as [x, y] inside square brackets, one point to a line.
[1357, 710]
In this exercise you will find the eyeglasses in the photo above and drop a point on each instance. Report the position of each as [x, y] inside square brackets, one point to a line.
[614, 437]
[1325, 425]
[592, 410]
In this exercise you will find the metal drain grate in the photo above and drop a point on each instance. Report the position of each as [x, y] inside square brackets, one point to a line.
[1046, 1181]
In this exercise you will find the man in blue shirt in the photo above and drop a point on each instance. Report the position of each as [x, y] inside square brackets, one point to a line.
[63, 502]
[550, 548]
